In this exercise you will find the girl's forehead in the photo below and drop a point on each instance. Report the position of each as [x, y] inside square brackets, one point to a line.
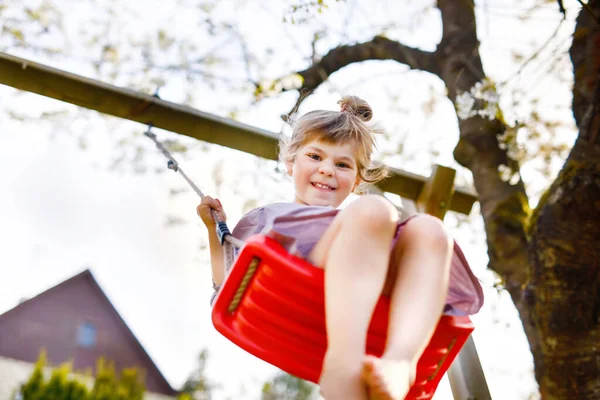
[346, 148]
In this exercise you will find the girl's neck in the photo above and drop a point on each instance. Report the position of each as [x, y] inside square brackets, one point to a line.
[297, 200]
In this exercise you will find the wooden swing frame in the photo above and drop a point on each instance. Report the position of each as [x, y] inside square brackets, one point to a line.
[434, 195]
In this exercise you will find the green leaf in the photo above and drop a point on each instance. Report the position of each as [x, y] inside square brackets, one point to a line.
[17, 33]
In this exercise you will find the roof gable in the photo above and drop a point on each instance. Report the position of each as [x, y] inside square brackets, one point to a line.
[83, 296]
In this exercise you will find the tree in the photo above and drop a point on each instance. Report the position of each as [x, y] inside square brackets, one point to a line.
[548, 257]
[33, 387]
[284, 386]
[62, 385]
[197, 386]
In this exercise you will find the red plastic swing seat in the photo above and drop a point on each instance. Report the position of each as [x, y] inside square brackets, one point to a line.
[272, 306]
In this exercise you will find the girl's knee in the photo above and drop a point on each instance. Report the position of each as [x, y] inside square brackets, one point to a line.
[428, 230]
[372, 211]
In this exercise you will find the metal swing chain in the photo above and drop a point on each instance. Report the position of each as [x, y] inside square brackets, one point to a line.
[222, 229]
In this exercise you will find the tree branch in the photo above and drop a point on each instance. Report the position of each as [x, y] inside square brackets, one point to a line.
[380, 48]
[590, 130]
[587, 8]
[504, 203]
[584, 54]
[458, 23]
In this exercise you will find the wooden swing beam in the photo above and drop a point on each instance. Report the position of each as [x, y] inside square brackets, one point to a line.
[146, 109]
[434, 195]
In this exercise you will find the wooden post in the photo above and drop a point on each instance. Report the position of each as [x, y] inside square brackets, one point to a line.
[465, 374]
[436, 195]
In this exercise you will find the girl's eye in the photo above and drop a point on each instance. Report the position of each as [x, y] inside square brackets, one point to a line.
[343, 165]
[314, 156]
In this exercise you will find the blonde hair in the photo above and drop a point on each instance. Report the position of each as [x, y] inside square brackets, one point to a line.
[345, 126]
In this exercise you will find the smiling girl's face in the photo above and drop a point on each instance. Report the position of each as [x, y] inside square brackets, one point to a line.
[324, 173]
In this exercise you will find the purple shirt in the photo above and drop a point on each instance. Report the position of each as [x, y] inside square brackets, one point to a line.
[299, 227]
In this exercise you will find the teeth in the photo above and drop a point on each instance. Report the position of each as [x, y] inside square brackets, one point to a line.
[322, 186]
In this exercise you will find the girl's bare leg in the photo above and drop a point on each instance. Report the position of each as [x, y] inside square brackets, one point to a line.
[355, 252]
[424, 252]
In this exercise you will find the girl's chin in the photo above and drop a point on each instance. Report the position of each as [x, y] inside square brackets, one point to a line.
[321, 202]
[318, 199]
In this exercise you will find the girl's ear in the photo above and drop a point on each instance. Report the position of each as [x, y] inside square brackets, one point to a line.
[289, 168]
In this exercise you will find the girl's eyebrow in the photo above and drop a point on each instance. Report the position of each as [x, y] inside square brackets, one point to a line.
[313, 148]
[347, 159]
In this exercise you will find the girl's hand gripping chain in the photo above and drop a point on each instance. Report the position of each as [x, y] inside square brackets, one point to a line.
[204, 211]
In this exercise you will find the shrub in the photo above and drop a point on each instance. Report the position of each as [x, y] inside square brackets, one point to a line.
[63, 385]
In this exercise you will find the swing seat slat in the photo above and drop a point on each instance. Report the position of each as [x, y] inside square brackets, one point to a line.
[276, 312]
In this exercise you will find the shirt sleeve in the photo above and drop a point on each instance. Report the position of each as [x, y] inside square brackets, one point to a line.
[250, 224]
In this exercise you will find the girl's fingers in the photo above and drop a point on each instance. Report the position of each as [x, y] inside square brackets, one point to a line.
[215, 204]
[209, 201]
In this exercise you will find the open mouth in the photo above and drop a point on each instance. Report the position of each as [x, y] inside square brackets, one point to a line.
[322, 186]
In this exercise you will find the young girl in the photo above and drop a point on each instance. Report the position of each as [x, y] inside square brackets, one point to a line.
[365, 250]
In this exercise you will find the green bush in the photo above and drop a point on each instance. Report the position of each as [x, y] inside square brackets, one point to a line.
[284, 386]
[63, 386]
[33, 388]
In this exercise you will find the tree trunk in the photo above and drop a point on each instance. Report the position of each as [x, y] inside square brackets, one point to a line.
[565, 242]
[565, 280]
[504, 205]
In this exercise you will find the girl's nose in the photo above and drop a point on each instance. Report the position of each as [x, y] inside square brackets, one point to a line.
[326, 169]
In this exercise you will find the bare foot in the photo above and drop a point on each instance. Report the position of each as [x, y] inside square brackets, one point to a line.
[341, 381]
[387, 379]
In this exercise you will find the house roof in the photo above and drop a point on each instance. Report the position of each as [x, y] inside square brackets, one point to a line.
[86, 276]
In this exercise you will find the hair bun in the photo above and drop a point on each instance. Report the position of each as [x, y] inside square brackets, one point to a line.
[357, 107]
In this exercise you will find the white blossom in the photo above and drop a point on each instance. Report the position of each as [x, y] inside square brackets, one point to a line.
[485, 91]
[515, 178]
[513, 152]
[505, 172]
[508, 175]
[491, 96]
[464, 105]
[477, 90]
[490, 111]
[508, 141]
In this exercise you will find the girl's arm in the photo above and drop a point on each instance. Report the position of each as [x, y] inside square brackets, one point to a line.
[204, 210]
[217, 257]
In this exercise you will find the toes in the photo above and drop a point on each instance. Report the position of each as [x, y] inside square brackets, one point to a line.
[370, 365]
[373, 379]
[384, 379]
